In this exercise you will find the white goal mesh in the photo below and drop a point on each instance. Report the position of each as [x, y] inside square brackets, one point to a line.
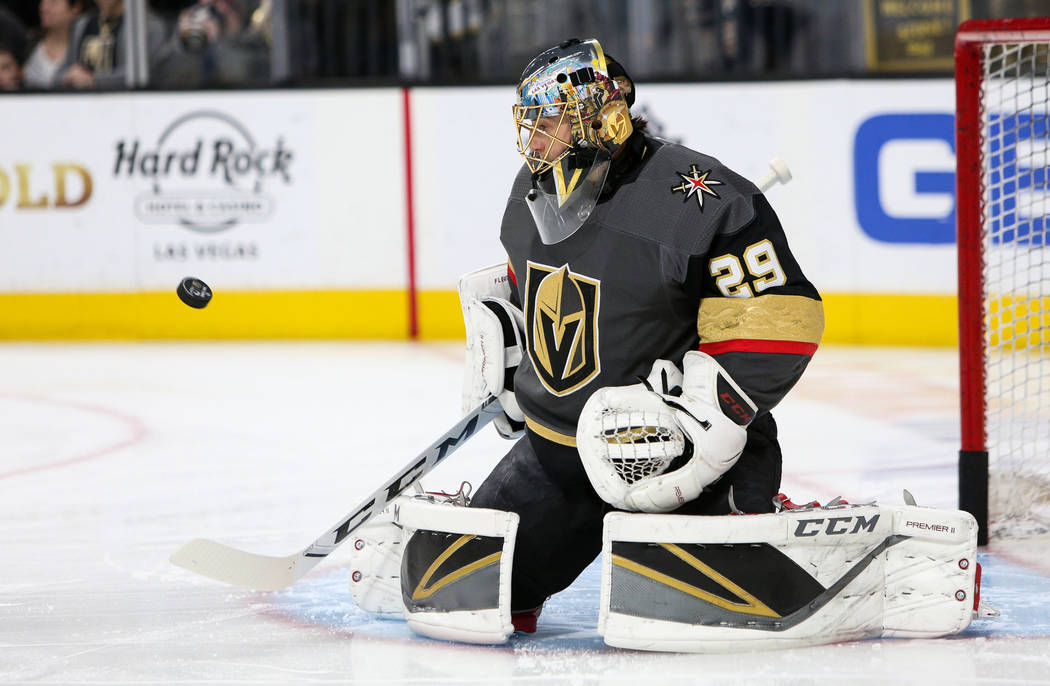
[1015, 245]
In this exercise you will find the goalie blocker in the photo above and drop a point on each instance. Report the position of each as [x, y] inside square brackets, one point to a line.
[805, 577]
[495, 330]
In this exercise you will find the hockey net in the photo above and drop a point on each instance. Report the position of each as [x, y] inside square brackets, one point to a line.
[1003, 214]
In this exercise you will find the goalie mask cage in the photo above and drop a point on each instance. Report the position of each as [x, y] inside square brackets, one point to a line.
[1003, 214]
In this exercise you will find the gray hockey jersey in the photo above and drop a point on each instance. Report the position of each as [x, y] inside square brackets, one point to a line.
[683, 255]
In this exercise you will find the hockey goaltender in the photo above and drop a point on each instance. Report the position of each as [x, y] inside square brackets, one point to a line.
[649, 318]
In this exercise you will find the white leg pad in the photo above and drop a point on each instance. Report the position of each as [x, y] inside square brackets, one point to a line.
[930, 576]
[455, 571]
[754, 582]
[375, 564]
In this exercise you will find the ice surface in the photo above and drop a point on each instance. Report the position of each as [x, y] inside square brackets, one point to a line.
[113, 455]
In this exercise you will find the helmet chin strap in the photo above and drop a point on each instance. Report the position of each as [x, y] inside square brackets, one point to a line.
[579, 157]
[582, 157]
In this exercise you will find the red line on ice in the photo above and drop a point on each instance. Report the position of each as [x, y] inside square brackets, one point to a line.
[137, 428]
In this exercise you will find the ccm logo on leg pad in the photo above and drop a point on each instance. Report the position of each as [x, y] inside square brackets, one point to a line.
[835, 526]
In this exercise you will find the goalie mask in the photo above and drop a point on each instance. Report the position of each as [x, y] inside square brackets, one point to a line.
[572, 115]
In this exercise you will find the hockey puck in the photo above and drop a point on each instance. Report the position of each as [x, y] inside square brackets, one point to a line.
[194, 292]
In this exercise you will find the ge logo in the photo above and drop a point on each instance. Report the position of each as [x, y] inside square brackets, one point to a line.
[904, 178]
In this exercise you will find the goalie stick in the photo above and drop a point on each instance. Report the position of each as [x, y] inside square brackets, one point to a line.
[266, 573]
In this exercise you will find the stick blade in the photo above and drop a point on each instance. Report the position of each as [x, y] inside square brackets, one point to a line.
[239, 568]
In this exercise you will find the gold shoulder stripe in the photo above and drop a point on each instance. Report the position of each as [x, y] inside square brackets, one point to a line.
[766, 317]
[550, 434]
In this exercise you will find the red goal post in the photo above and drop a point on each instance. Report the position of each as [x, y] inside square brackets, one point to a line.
[1002, 140]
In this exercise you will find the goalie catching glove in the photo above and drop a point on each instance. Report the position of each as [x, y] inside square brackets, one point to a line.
[646, 448]
[495, 341]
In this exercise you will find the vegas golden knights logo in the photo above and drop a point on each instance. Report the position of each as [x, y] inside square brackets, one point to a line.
[561, 318]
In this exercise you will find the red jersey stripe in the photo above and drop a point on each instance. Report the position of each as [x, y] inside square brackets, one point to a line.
[745, 345]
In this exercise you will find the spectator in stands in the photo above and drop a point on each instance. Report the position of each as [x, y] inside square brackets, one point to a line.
[10, 68]
[100, 57]
[215, 44]
[12, 51]
[52, 54]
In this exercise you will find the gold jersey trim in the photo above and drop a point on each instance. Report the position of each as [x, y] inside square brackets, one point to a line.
[766, 317]
[565, 188]
[550, 434]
